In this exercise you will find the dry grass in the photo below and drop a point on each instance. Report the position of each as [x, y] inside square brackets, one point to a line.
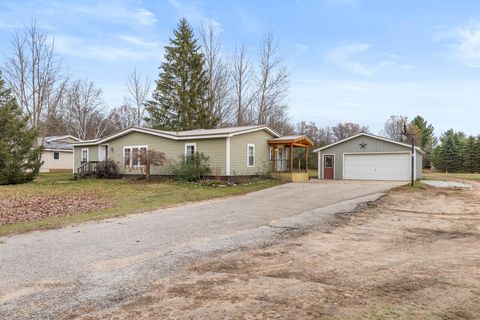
[54, 200]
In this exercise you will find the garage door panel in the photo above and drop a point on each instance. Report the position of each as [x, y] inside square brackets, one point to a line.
[382, 166]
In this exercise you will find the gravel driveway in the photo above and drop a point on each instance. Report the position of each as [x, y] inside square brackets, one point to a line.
[97, 264]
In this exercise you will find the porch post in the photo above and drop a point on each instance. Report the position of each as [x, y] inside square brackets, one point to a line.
[306, 159]
[291, 158]
[274, 162]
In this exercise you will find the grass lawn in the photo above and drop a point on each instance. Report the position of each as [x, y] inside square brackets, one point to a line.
[120, 196]
[436, 175]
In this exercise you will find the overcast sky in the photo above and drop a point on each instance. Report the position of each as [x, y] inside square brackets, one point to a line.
[349, 60]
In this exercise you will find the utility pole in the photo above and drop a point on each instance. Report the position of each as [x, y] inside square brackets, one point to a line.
[412, 140]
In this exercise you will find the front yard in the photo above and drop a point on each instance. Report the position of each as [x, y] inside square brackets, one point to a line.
[413, 254]
[54, 200]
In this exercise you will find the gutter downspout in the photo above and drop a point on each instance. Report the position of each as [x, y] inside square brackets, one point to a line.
[227, 148]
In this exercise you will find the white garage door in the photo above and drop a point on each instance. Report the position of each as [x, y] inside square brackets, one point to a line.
[380, 166]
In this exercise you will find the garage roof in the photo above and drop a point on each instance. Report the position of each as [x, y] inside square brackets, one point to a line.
[363, 134]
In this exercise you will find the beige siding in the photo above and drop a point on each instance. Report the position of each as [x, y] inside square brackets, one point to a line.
[77, 154]
[238, 153]
[353, 146]
[214, 148]
[65, 161]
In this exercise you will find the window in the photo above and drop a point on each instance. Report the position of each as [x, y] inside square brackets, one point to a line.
[190, 149]
[131, 155]
[250, 155]
[85, 155]
[328, 161]
[56, 155]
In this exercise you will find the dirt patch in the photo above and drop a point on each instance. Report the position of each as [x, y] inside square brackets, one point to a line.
[414, 254]
[18, 208]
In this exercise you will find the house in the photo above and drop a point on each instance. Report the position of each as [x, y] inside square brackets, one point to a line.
[369, 157]
[58, 153]
[232, 152]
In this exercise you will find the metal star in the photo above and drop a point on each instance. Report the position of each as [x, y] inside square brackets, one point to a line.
[363, 145]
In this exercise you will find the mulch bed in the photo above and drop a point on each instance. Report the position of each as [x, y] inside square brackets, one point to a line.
[19, 209]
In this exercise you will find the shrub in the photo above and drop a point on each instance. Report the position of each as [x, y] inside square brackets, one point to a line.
[108, 170]
[191, 168]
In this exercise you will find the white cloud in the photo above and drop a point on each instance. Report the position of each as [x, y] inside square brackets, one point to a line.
[301, 48]
[465, 42]
[193, 11]
[88, 48]
[358, 58]
[344, 56]
[144, 17]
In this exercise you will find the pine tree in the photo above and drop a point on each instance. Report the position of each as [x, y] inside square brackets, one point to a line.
[19, 157]
[469, 155]
[180, 98]
[477, 155]
[450, 157]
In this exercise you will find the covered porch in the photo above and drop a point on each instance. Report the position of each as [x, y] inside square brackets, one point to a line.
[289, 157]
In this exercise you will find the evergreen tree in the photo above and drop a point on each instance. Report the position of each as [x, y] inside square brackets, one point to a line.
[469, 155]
[449, 155]
[477, 155]
[19, 157]
[180, 98]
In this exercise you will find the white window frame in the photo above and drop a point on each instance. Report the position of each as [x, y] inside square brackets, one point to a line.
[54, 155]
[249, 145]
[131, 158]
[192, 144]
[88, 155]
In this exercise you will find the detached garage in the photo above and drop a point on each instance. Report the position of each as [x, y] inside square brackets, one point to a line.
[369, 157]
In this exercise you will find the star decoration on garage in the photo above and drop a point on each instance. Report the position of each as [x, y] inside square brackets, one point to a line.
[363, 145]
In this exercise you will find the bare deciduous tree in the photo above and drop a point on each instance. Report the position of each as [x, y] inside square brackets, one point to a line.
[393, 127]
[346, 130]
[244, 95]
[35, 74]
[138, 90]
[148, 159]
[84, 108]
[124, 117]
[217, 73]
[272, 82]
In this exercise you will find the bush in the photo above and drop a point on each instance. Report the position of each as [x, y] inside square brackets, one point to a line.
[108, 170]
[191, 168]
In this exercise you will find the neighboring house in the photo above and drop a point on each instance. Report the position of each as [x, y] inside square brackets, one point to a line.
[58, 153]
[236, 151]
[369, 157]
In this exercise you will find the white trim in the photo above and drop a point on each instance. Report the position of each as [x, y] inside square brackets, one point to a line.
[54, 155]
[175, 137]
[190, 144]
[414, 155]
[319, 167]
[379, 152]
[227, 160]
[58, 150]
[100, 147]
[73, 161]
[334, 164]
[131, 151]
[62, 137]
[248, 155]
[88, 155]
[370, 136]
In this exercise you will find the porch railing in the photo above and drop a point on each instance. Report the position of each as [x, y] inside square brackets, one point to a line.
[87, 168]
[285, 165]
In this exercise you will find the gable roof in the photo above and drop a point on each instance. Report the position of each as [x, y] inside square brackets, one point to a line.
[363, 134]
[184, 135]
[292, 139]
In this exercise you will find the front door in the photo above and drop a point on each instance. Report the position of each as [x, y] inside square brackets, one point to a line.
[328, 166]
[103, 152]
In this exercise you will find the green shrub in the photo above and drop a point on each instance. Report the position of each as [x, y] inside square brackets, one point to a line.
[191, 168]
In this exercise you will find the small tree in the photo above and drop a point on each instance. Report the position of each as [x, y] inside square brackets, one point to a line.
[149, 158]
[469, 155]
[19, 155]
